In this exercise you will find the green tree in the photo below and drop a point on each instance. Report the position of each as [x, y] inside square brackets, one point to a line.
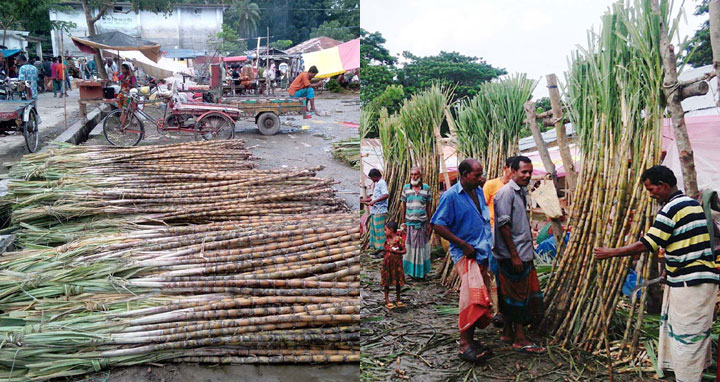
[453, 69]
[281, 44]
[334, 30]
[376, 66]
[543, 104]
[372, 50]
[96, 9]
[698, 51]
[228, 42]
[30, 15]
[243, 16]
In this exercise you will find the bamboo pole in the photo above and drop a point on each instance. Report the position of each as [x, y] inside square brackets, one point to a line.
[673, 96]
[570, 172]
[441, 155]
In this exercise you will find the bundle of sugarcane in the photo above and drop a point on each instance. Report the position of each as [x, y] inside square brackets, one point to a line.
[272, 289]
[348, 151]
[179, 195]
[488, 128]
[408, 140]
[614, 96]
[62, 160]
[488, 125]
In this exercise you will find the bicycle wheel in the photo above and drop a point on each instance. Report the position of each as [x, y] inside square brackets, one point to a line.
[126, 135]
[30, 131]
[214, 126]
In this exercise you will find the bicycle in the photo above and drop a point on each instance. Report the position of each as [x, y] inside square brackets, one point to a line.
[123, 126]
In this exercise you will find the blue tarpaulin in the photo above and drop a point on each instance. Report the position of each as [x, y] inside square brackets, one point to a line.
[10, 52]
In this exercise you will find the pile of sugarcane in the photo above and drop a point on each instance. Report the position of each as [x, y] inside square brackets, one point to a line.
[488, 129]
[274, 289]
[348, 151]
[183, 183]
[200, 258]
[614, 97]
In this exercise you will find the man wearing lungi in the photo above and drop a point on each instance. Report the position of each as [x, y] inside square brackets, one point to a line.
[691, 275]
[378, 203]
[416, 202]
[519, 294]
[463, 219]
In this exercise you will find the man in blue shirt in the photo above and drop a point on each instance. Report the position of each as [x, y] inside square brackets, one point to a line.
[463, 219]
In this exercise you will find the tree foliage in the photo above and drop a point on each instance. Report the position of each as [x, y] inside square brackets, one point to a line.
[334, 30]
[281, 44]
[372, 50]
[697, 51]
[32, 16]
[243, 16]
[448, 68]
[228, 42]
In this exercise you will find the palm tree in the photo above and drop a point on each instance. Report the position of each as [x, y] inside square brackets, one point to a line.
[245, 16]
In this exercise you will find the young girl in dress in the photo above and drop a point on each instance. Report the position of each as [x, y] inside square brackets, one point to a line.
[392, 273]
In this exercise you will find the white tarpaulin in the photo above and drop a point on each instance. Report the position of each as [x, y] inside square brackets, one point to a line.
[162, 69]
[704, 137]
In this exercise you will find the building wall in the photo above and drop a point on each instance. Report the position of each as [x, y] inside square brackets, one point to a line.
[187, 27]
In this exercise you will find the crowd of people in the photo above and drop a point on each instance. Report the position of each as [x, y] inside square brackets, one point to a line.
[491, 243]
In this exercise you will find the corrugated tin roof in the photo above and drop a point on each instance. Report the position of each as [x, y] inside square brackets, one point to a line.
[312, 45]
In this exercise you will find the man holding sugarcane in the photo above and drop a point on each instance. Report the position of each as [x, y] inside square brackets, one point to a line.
[519, 295]
[463, 219]
[680, 227]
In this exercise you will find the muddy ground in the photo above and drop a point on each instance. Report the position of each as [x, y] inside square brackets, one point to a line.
[420, 341]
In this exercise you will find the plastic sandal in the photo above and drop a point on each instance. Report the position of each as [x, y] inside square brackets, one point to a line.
[390, 305]
[532, 348]
[399, 304]
[472, 355]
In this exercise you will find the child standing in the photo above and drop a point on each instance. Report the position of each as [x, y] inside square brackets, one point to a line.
[392, 273]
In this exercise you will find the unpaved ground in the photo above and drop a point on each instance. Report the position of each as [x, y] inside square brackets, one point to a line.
[419, 342]
[52, 112]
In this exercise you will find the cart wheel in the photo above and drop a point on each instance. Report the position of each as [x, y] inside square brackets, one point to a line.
[268, 123]
[118, 135]
[30, 131]
[214, 126]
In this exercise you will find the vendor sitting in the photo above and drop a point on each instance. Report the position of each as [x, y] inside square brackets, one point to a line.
[303, 88]
[126, 77]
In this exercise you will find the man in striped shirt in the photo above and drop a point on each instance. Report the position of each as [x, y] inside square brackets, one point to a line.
[692, 275]
[417, 200]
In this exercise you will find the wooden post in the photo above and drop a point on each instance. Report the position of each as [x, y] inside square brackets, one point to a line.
[547, 162]
[674, 98]
[539, 142]
[570, 173]
[441, 156]
[714, 10]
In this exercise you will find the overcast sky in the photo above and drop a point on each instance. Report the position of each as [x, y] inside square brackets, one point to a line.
[522, 36]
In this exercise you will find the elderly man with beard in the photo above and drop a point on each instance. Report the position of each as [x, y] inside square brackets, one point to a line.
[416, 202]
[519, 294]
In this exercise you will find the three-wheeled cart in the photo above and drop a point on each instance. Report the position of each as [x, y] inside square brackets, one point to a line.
[21, 116]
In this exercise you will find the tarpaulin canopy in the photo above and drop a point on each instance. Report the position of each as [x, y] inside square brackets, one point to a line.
[539, 168]
[118, 41]
[336, 60]
[235, 58]
[704, 137]
[9, 52]
[163, 68]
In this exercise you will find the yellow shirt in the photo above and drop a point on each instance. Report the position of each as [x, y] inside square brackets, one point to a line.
[491, 188]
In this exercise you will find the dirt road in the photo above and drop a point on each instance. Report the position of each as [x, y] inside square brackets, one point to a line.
[420, 341]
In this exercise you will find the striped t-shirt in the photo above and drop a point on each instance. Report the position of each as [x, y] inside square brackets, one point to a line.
[680, 227]
[416, 204]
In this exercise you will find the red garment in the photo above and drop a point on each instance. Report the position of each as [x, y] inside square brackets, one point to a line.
[53, 71]
[475, 304]
[392, 273]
